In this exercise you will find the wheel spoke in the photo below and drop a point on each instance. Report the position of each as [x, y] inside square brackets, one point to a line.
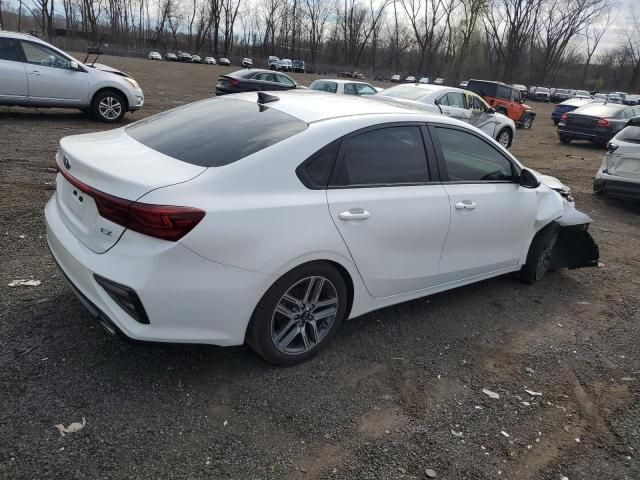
[315, 337]
[282, 310]
[326, 313]
[287, 334]
[289, 298]
[309, 292]
[326, 303]
[305, 338]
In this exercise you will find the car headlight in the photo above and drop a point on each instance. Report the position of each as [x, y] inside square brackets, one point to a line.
[132, 82]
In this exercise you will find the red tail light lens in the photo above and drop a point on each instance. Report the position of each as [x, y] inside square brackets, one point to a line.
[234, 82]
[166, 222]
[603, 122]
[564, 117]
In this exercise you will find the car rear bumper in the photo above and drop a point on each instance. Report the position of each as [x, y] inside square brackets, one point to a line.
[593, 135]
[187, 298]
[615, 186]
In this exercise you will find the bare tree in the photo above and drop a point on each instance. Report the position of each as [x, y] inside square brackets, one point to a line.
[633, 48]
[593, 35]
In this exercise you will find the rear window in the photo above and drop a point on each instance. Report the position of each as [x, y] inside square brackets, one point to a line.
[483, 89]
[406, 92]
[599, 110]
[215, 132]
[324, 86]
[629, 134]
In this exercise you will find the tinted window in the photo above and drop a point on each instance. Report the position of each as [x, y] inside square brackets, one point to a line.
[629, 134]
[504, 92]
[265, 77]
[324, 86]
[41, 55]
[8, 50]
[627, 113]
[482, 89]
[215, 132]
[386, 156]
[314, 172]
[285, 80]
[350, 89]
[469, 158]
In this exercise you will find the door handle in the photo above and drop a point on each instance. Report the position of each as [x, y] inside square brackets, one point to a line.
[447, 111]
[354, 214]
[465, 205]
[35, 72]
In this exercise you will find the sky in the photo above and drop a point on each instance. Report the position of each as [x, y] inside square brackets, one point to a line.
[615, 35]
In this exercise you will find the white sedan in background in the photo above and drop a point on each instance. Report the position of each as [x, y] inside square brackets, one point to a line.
[271, 219]
[155, 56]
[619, 174]
[453, 102]
[343, 87]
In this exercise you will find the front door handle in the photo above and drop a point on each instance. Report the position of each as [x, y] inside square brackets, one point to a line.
[465, 205]
[35, 72]
[354, 214]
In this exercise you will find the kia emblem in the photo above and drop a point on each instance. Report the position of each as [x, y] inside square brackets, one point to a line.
[65, 162]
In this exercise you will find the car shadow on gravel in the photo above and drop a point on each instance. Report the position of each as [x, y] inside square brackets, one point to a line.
[20, 114]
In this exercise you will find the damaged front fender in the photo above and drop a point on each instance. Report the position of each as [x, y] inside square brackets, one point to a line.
[575, 247]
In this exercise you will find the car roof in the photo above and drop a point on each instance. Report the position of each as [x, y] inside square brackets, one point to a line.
[311, 106]
[339, 80]
[429, 87]
[23, 36]
[490, 81]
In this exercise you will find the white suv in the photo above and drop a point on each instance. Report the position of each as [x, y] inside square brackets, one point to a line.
[36, 74]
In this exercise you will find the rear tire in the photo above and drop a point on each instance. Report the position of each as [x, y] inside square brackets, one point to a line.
[565, 140]
[504, 137]
[540, 253]
[299, 314]
[108, 106]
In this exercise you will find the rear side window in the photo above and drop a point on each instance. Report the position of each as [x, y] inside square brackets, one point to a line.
[215, 132]
[350, 89]
[8, 50]
[385, 156]
[629, 134]
[470, 159]
[504, 92]
[315, 171]
[482, 89]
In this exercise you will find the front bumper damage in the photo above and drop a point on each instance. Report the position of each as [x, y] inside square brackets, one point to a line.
[575, 247]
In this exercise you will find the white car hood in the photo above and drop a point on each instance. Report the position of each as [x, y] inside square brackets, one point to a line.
[108, 69]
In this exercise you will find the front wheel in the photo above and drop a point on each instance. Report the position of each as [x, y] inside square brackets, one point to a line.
[540, 254]
[564, 139]
[527, 122]
[299, 314]
[504, 137]
[108, 106]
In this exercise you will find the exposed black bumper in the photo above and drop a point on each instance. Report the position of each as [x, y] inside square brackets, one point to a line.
[618, 189]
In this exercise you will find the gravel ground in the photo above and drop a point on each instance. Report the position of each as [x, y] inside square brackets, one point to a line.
[398, 392]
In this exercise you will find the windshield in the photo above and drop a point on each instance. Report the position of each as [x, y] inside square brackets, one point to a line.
[629, 134]
[407, 92]
[583, 93]
[542, 90]
[215, 132]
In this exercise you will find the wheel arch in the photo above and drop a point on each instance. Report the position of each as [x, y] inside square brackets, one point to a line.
[114, 89]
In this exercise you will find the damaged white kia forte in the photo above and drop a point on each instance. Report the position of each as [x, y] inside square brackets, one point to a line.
[271, 219]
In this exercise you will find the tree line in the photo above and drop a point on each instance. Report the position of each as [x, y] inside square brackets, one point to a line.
[540, 42]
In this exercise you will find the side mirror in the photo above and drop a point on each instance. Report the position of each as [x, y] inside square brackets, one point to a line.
[74, 66]
[528, 179]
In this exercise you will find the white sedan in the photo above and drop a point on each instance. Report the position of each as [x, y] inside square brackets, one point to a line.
[453, 102]
[343, 87]
[619, 174]
[155, 56]
[272, 219]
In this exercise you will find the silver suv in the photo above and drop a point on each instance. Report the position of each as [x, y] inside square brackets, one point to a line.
[36, 74]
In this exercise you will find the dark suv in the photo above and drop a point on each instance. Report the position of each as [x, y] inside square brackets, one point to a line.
[504, 99]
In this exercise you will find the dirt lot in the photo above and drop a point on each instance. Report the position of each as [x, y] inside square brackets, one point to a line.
[398, 392]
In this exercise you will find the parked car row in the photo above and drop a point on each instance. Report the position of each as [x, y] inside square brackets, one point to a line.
[188, 58]
[285, 64]
[595, 122]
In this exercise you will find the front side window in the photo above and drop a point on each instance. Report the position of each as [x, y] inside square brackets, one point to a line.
[9, 50]
[504, 92]
[364, 89]
[350, 89]
[385, 156]
[515, 95]
[41, 55]
[285, 80]
[470, 159]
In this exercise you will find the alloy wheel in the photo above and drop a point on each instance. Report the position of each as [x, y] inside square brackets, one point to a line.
[110, 108]
[304, 315]
[503, 139]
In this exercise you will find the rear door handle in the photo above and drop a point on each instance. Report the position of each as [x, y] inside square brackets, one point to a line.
[35, 72]
[354, 214]
[465, 205]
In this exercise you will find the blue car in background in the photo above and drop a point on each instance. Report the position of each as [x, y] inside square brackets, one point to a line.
[568, 106]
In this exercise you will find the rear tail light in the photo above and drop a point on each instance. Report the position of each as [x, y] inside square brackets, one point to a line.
[166, 222]
[234, 82]
[564, 117]
[603, 122]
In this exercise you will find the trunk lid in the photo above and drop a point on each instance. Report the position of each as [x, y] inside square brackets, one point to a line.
[624, 162]
[117, 165]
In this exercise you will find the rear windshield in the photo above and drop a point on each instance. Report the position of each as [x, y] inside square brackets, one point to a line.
[406, 92]
[215, 132]
[600, 110]
[629, 134]
[324, 86]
